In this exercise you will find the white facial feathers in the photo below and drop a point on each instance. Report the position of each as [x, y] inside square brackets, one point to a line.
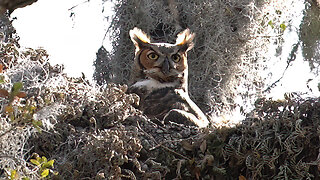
[151, 84]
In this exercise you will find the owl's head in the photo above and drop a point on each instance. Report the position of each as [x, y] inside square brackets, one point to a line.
[163, 62]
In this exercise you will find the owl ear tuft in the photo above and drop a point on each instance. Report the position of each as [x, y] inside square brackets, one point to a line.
[139, 38]
[184, 40]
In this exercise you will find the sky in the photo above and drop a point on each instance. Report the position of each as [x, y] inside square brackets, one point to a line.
[298, 73]
[72, 41]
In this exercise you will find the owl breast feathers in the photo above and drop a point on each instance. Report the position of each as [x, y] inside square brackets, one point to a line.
[160, 78]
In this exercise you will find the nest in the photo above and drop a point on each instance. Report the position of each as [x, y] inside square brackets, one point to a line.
[95, 132]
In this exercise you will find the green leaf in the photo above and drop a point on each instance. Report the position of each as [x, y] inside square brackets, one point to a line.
[32, 108]
[44, 159]
[2, 79]
[48, 164]
[37, 157]
[12, 118]
[283, 26]
[25, 178]
[271, 24]
[17, 87]
[35, 162]
[44, 173]
[13, 174]
[37, 125]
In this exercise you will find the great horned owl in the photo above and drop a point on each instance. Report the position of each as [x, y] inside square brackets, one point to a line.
[160, 78]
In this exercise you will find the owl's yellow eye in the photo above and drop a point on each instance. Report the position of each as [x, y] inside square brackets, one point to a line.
[176, 58]
[153, 56]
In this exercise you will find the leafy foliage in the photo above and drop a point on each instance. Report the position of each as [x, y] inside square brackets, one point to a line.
[43, 165]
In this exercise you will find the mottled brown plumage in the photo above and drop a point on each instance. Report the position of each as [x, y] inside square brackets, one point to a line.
[160, 78]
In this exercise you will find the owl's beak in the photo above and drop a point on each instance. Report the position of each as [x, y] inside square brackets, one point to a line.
[165, 67]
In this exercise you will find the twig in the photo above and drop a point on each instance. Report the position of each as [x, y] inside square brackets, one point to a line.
[7, 156]
[78, 5]
[4, 133]
[172, 151]
[19, 160]
[291, 58]
[168, 141]
[161, 144]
